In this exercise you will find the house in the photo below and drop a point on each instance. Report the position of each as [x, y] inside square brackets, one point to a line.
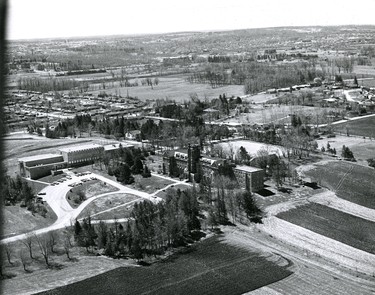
[133, 135]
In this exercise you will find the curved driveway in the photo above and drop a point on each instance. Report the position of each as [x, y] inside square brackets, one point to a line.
[56, 198]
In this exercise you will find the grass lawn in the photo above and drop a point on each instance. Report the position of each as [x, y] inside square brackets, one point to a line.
[351, 182]
[36, 186]
[182, 187]
[149, 184]
[210, 267]
[107, 203]
[52, 178]
[335, 224]
[360, 127]
[17, 220]
[251, 147]
[174, 87]
[90, 189]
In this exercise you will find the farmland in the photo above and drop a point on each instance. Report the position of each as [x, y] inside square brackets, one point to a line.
[351, 182]
[360, 127]
[210, 267]
[337, 225]
[175, 88]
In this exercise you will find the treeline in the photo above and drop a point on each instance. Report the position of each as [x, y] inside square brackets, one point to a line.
[17, 191]
[218, 58]
[82, 72]
[150, 230]
[117, 127]
[124, 162]
[257, 77]
[46, 85]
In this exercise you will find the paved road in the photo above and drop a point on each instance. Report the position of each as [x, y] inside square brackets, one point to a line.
[55, 196]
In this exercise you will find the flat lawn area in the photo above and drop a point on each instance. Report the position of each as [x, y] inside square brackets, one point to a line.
[351, 182]
[17, 220]
[251, 147]
[107, 203]
[52, 178]
[275, 113]
[360, 127]
[90, 189]
[211, 267]
[182, 187]
[36, 186]
[149, 184]
[173, 87]
[335, 224]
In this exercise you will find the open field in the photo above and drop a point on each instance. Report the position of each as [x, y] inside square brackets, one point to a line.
[350, 181]
[109, 204]
[90, 189]
[348, 229]
[38, 277]
[280, 114]
[364, 70]
[362, 148]
[17, 220]
[211, 267]
[360, 127]
[149, 184]
[251, 147]
[175, 88]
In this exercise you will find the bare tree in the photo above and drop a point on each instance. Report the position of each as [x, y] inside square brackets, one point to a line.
[52, 241]
[69, 233]
[24, 260]
[67, 247]
[9, 253]
[28, 242]
[44, 247]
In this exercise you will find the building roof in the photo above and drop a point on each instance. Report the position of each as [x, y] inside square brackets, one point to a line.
[247, 168]
[38, 157]
[75, 148]
[116, 146]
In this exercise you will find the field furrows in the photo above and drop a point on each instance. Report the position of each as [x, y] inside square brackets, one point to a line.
[315, 273]
[329, 199]
[317, 244]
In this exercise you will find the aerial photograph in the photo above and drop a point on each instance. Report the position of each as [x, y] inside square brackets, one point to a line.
[187, 147]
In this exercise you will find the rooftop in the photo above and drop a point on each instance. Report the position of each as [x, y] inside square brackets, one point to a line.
[247, 168]
[115, 146]
[38, 157]
[80, 147]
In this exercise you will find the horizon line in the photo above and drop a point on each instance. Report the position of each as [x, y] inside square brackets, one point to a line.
[184, 32]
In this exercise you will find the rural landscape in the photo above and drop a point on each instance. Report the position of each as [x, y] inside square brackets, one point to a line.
[224, 162]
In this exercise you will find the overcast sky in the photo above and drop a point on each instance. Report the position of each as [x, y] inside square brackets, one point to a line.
[68, 18]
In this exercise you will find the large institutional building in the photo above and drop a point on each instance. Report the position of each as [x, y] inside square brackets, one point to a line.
[187, 162]
[38, 166]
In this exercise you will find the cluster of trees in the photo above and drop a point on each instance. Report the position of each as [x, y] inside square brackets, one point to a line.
[17, 191]
[151, 229]
[329, 149]
[225, 203]
[256, 76]
[218, 58]
[347, 154]
[46, 84]
[125, 162]
[266, 135]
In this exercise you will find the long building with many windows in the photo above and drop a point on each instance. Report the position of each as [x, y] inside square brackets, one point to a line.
[187, 162]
